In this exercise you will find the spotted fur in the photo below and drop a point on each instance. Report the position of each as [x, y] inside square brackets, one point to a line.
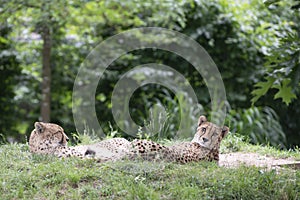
[204, 146]
[49, 138]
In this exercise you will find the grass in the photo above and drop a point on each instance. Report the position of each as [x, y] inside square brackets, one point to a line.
[27, 176]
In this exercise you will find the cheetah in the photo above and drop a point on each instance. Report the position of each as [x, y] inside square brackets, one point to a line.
[49, 138]
[204, 146]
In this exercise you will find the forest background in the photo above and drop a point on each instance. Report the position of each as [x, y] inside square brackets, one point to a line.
[255, 44]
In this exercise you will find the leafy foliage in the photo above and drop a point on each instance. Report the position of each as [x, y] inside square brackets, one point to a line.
[255, 46]
[259, 124]
[283, 65]
[10, 71]
[283, 71]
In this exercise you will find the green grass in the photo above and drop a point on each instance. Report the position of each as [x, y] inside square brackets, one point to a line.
[27, 176]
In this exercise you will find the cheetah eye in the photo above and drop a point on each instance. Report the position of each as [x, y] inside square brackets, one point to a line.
[203, 130]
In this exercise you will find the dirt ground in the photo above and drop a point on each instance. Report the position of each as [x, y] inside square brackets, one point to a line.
[250, 159]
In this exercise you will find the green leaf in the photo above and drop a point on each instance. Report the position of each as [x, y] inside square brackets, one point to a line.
[3, 40]
[269, 2]
[285, 92]
[261, 89]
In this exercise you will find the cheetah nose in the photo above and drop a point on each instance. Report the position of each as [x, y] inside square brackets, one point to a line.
[67, 139]
[205, 139]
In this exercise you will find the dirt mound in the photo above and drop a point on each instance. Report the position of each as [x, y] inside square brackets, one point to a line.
[252, 159]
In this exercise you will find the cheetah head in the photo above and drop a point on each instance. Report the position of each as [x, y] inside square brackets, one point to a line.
[209, 135]
[46, 136]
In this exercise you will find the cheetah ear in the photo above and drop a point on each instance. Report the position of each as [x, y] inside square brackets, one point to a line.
[201, 119]
[225, 131]
[39, 127]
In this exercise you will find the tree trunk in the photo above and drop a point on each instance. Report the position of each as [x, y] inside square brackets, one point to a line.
[46, 75]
